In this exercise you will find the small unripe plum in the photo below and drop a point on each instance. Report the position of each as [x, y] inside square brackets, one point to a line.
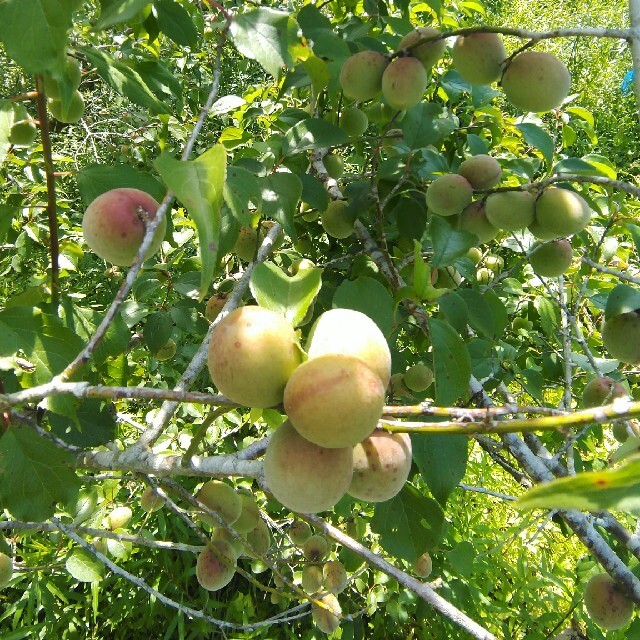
[608, 607]
[249, 515]
[301, 264]
[249, 239]
[334, 165]
[562, 211]
[216, 565]
[353, 122]
[381, 465]
[510, 210]
[334, 400]
[482, 171]
[23, 133]
[73, 112]
[602, 390]
[474, 220]
[541, 233]
[252, 353]
[114, 225]
[621, 337]
[299, 532]
[620, 432]
[474, 254]
[315, 548]
[536, 81]
[167, 351]
[336, 220]
[6, 569]
[404, 82]
[222, 499]
[449, 194]
[151, 500]
[214, 306]
[361, 75]
[312, 578]
[418, 377]
[303, 476]
[74, 74]
[484, 275]
[335, 576]
[275, 598]
[495, 263]
[327, 617]
[119, 518]
[350, 332]
[219, 533]
[551, 259]
[423, 566]
[429, 52]
[259, 538]
[478, 57]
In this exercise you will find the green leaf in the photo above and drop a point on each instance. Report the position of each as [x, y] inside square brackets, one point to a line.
[290, 296]
[241, 189]
[175, 22]
[485, 315]
[408, 524]
[548, 316]
[95, 179]
[94, 424]
[198, 184]
[35, 475]
[313, 192]
[537, 137]
[369, 296]
[448, 243]
[116, 11]
[157, 330]
[44, 341]
[34, 32]
[266, 36]
[451, 362]
[280, 197]
[582, 168]
[442, 460]
[313, 133]
[318, 71]
[455, 311]
[423, 125]
[634, 229]
[84, 566]
[604, 166]
[614, 489]
[124, 80]
[622, 299]
[587, 116]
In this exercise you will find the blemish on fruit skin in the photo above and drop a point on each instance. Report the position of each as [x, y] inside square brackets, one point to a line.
[601, 482]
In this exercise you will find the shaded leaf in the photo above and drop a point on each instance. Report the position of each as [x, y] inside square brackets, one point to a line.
[448, 243]
[451, 362]
[175, 22]
[280, 197]
[312, 133]
[537, 137]
[241, 188]
[94, 424]
[157, 330]
[116, 11]
[368, 296]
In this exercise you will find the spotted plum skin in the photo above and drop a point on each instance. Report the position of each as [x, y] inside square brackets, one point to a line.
[114, 225]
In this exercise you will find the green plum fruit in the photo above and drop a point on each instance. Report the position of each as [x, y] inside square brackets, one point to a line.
[361, 75]
[510, 210]
[334, 400]
[114, 225]
[478, 57]
[404, 82]
[248, 242]
[418, 377]
[353, 122]
[72, 113]
[484, 275]
[303, 476]
[252, 353]
[315, 548]
[536, 81]
[220, 533]
[214, 305]
[259, 538]
[381, 465]
[495, 263]
[481, 171]
[336, 220]
[299, 532]
[312, 578]
[449, 194]
[6, 569]
[350, 332]
[551, 259]
[621, 337]
[216, 565]
[423, 566]
[326, 614]
[335, 576]
[249, 515]
[151, 500]
[428, 52]
[119, 518]
[222, 499]
[608, 607]
[562, 212]
[334, 164]
[474, 220]
[167, 351]
[602, 390]
[474, 254]
[23, 133]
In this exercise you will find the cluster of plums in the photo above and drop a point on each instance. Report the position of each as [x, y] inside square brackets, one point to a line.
[333, 396]
[65, 111]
